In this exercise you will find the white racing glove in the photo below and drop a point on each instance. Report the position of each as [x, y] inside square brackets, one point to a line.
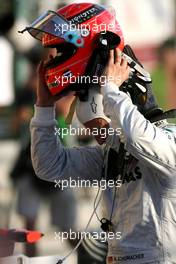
[92, 109]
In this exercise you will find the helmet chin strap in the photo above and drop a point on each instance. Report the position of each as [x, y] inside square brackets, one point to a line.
[70, 115]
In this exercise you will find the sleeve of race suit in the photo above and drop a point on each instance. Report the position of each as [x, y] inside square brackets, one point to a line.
[51, 160]
[149, 144]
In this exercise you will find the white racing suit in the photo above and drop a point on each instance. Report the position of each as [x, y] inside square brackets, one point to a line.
[145, 205]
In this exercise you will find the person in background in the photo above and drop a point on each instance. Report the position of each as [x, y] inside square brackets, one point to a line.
[167, 58]
[32, 191]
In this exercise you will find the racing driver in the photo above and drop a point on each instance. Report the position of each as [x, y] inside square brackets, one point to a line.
[143, 209]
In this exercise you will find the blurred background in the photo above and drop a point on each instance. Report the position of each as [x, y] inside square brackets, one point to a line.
[26, 202]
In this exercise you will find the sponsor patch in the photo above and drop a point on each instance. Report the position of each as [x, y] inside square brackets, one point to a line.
[86, 15]
[131, 257]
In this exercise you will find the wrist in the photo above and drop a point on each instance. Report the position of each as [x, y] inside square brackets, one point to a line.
[104, 80]
[108, 87]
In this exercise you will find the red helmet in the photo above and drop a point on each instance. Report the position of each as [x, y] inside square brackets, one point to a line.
[77, 49]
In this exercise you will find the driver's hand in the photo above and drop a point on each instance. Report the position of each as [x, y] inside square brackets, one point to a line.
[44, 97]
[117, 69]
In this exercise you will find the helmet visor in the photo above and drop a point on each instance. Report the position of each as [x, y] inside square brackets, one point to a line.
[52, 23]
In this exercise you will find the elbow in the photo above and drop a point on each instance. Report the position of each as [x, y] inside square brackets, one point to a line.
[49, 167]
[40, 171]
[45, 173]
[43, 169]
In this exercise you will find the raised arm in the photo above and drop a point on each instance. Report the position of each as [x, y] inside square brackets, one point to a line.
[152, 145]
[51, 160]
